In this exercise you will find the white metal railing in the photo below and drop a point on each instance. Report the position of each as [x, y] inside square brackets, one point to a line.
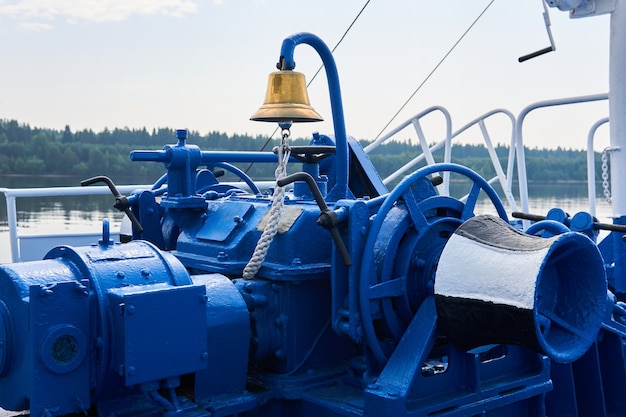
[427, 151]
[516, 149]
[505, 179]
[19, 241]
[591, 165]
[523, 185]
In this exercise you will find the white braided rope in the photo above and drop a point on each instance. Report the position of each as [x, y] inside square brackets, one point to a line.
[276, 211]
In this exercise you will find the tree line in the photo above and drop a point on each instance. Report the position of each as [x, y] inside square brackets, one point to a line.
[26, 150]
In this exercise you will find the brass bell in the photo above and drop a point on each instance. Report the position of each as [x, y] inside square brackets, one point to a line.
[286, 100]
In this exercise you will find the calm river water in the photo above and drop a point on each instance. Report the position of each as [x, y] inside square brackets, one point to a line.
[85, 214]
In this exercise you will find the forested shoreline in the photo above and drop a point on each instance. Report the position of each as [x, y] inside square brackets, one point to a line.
[25, 150]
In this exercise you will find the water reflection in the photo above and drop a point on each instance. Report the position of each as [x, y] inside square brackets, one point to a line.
[71, 214]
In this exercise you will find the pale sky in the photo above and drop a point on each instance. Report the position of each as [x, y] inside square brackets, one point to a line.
[203, 64]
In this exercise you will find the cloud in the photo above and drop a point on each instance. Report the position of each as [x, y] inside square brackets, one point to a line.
[91, 10]
[35, 26]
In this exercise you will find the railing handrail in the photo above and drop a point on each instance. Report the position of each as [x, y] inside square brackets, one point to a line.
[406, 123]
[519, 143]
[11, 194]
[506, 180]
[516, 149]
[67, 191]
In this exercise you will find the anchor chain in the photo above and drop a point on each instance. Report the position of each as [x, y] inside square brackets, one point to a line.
[606, 186]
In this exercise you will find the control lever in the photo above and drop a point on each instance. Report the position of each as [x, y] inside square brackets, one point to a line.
[328, 218]
[552, 47]
[121, 202]
[596, 225]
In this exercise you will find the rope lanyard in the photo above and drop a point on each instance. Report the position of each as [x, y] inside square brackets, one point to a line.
[276, 211]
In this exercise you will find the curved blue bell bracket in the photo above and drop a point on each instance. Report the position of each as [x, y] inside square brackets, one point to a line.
[286, 62]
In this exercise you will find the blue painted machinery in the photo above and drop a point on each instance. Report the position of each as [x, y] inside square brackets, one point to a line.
[357, 302]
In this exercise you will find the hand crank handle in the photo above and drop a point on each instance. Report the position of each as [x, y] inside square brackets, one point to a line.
[121, 202]
[328, 218]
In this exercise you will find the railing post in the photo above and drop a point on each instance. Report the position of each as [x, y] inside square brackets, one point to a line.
[12, 222]
[617, 106]
[591, 165]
